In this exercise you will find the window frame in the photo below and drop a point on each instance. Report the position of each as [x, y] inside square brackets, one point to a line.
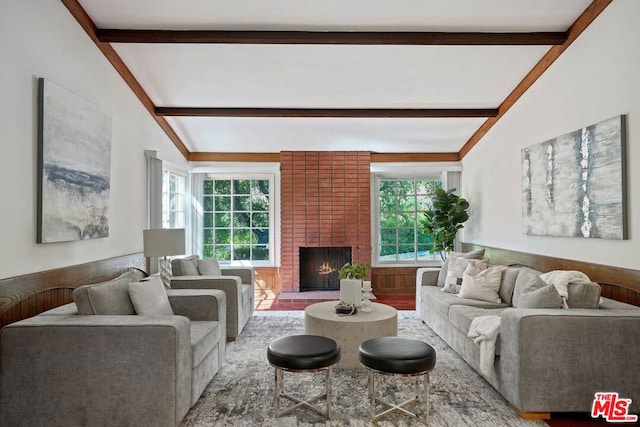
[167, 173]
[273, 223]
[375, 223]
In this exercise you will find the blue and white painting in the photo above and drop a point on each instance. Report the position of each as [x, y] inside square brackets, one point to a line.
[574, 185]
[74, 138]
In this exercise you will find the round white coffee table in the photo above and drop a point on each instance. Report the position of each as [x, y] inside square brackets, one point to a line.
[350, 331]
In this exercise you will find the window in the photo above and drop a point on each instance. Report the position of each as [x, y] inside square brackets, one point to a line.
[173, 200]
[400, 219]
[237, 219]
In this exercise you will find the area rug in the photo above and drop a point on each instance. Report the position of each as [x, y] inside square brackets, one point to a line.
[241, 394]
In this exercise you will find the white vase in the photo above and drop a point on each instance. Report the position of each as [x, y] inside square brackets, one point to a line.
[351, 291]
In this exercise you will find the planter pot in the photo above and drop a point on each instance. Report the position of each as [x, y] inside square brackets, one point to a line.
[351, 291]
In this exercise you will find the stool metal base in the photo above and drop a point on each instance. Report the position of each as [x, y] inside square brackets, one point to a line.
[420, 395]
[298, 403]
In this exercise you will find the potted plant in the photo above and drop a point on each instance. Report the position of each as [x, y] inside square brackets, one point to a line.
[444, 219]
[353, 271]
[351, 276]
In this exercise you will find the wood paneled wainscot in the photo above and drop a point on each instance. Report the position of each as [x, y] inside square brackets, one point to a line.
[393, 280]
[620, 284]
[25, 296]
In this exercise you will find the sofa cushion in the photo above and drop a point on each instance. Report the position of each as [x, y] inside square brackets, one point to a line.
[533, 292]
[209, 267]
[461, 317]
[150, 298]
[479, 254]
[111, 297]
[205, 335]
[434, 299]
[583, 295]
[481, 284]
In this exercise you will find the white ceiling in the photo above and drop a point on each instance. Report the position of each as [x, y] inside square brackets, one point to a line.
[330, 76]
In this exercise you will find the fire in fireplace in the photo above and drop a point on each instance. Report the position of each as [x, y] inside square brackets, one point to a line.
[319, 267]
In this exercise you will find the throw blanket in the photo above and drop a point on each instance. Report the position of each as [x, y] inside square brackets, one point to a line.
[484, 330]
[561, 279]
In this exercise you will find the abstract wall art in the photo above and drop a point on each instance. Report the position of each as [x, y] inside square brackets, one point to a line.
[575, 185]
[74, 166]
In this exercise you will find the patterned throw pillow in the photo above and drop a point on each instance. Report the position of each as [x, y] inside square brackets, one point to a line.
[479, 254]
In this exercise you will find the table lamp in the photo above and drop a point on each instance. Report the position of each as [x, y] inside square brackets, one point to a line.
[162, 243]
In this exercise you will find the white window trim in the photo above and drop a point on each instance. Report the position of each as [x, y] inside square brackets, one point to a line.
[402, 171]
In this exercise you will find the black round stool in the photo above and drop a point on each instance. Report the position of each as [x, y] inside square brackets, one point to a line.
[303, 353]
[407, 357]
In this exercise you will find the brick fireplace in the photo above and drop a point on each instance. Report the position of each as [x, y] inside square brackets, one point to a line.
[325, 201]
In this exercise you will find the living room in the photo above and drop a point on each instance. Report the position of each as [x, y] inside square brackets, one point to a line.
[594, 79]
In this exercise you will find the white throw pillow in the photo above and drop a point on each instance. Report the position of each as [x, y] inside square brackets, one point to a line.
[209, 267]
[481, 284]
[457, 266]
[150, 298]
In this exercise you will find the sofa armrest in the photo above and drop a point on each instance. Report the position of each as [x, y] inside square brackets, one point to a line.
[199, 304]
[232, 287]
[95, 370]
[426, 276]
[246, 274]
[554, 360]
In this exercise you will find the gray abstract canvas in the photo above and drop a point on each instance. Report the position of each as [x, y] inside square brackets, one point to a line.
[574, 185]
[74, 166]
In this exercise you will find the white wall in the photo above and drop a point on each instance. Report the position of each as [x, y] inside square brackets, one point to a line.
[42, 39]
[598, 77]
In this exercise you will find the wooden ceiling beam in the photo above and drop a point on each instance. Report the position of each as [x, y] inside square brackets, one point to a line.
[413, 157]
[331, 37]
[201, 156]
[329, 112]
[275, 157]
[584, 20]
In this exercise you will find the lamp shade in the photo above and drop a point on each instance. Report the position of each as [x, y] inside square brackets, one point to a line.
[163, 242]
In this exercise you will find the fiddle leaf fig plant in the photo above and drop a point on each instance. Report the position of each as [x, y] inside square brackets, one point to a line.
[444, 219]
[353, 271]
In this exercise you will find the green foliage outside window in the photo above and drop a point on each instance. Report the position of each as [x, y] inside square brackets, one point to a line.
[236, 219]
[402, 202]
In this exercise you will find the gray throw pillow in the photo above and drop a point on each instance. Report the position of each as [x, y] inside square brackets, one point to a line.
[150, 298]
[189, 267]
[110, 297]
[507, 284]
[583, 295]
[442, 275]
[209, 267]
[533, 292]
[176, 265]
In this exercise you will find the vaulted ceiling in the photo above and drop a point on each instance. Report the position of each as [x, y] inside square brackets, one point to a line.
[408, 79]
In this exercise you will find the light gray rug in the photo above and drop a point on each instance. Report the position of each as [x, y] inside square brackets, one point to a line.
[241, 394]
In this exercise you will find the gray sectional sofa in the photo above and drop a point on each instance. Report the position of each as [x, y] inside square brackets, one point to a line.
[62, 368]
[546, 359]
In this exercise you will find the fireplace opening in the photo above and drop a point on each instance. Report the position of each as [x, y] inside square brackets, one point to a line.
[319, 267]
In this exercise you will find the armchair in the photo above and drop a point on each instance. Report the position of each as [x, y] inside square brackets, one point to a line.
[237, 282]
[63, 368]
